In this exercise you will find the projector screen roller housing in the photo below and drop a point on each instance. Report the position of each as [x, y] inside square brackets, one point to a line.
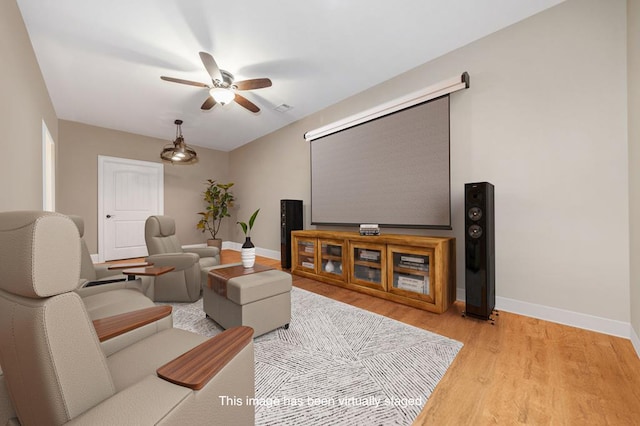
[393, 171]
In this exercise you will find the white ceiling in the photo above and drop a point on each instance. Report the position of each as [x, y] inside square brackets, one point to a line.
[102, 60]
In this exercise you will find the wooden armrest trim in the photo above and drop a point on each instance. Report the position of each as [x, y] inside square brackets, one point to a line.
[129, 265]
[110, 327]
[195, 368]
[149, 271]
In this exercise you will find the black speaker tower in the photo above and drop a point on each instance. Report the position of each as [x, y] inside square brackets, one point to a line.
[480, 262]
[290, 220]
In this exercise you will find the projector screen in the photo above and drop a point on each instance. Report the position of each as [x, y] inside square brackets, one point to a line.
[393, 171]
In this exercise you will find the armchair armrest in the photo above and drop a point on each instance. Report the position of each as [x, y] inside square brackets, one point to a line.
[110, 327]
[195, 368]
[113, 279]
[180, 261]
[106, 273]
[102, 270]
[129, 265]
[203, 251]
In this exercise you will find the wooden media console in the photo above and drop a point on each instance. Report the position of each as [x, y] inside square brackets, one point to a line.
[414, 270]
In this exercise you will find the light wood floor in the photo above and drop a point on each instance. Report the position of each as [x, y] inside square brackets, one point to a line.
[519, 371]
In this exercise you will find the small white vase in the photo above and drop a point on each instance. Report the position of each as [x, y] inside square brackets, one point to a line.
[329, 266]
[248, 253]
[248, 256]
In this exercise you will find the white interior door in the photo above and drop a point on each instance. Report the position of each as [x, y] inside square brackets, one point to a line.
[129, 191]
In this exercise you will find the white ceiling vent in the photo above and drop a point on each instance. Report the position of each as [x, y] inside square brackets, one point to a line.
[283, 108]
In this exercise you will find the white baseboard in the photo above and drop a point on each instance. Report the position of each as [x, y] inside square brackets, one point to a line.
[231, 245]
[562, 316]
[635, 341]
[271, 254]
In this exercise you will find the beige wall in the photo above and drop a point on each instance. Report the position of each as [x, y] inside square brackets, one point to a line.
[545, 121]
[273, 168]
[633, 58]
[24, 104]
[79, 147]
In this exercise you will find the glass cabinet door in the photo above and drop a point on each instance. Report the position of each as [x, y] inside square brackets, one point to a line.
[306, 254]
[411, 272]
[332, 258]
[368, 265]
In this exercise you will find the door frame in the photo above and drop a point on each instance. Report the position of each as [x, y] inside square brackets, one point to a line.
[102, 159]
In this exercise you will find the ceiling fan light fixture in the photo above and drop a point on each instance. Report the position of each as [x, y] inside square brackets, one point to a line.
[178, 151]
[223, 88]
[222, 95]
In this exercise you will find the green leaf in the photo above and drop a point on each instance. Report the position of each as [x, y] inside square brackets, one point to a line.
[243, 226]
[246, 229]
[253, 218]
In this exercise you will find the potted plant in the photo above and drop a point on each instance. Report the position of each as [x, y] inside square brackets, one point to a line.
[248, 252]
[219, 199]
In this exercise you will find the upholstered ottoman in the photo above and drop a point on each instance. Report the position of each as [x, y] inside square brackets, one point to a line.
[261, 299]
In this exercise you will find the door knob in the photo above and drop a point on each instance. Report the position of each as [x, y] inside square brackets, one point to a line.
[108, 216]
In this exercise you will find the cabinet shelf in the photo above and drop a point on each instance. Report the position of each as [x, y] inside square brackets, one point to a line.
[331, 257]
[376, 265]
[408, 271]
[414, 270]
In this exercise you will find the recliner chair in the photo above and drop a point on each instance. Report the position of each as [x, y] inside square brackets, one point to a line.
[112, 297]
[55, 370]
[191, 265]
[99, 278]
[88, 271]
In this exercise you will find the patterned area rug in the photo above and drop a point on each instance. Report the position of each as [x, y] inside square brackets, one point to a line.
[338, 364]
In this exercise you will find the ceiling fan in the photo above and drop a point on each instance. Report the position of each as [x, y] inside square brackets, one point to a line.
[223, 88]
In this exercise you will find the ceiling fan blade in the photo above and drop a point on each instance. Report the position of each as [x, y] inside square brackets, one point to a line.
[211, 66]
[208, 104]
[256, 83]
[246, 103]
[181, 81]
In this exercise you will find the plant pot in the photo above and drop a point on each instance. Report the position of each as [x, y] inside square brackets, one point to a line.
[248, 253]
[216, 242]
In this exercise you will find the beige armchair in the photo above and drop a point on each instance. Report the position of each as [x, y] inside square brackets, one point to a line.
[97, 278]
[90, 273]
[111, 292]
[52, 364]
[191, 265]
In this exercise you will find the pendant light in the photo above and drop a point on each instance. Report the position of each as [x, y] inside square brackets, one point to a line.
[178, 151]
